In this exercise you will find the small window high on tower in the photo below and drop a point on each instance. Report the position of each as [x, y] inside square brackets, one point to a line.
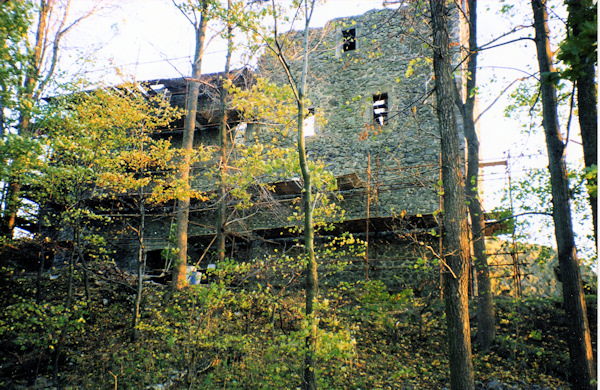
[349, 40]
[380, 109]
[309, 123]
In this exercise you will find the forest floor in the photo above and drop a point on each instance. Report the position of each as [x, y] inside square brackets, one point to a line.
[219, 337]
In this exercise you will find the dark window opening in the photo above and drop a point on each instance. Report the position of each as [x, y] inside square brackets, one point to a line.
[349, 39]
[154, 261]
[380, 109]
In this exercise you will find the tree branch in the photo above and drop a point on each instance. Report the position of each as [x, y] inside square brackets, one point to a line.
[514, 216]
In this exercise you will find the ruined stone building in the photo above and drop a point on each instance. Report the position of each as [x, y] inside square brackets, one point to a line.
[370, 80]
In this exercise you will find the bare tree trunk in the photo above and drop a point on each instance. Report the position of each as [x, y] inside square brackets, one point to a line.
[141, 266]
[224, 141]
[455, 234]
[486, 328]
[70, 277]
[587, 101]
[309, 381]
[183, 210]
[579, 340]
[309, 378]
[312, 283]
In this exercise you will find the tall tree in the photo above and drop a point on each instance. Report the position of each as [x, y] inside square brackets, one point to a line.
[199, 19]
[486, 328]
[579, 340]
[32, 68]
[455, 227]
[579, 52]
[298, 85]
[224, 134]
[309, 381]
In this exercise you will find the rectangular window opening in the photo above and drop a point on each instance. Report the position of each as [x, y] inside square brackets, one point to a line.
[349, 40]
[309, 123]
[380, 109]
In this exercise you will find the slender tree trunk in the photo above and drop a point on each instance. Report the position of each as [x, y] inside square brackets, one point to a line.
[140, 274]
[587, 100]
[309, 378]
[225, 146]
[86, 274]
[38, 283]
[183, 210]
[309, 381]
[486, 328]
[312, 284]
[587, 104]
[455, 234]
[80, 254]
[70, 277]
[141, 265]
[579, 340]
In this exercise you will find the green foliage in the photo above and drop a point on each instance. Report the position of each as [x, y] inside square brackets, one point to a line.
[94, 152]
[577, 50]
[533, 193]
[271, 155]
[590, 174]
[169, 254]
[419, 65]
[250, 336]
[233, 332]
[525, 344]
[43, 325]
[15, 21]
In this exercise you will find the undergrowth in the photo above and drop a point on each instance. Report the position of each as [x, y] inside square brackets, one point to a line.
[253, 336]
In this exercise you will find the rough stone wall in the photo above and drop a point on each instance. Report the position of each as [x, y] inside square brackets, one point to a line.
[390, 57]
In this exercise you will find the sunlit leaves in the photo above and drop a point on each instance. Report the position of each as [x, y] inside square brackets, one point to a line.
[48, 321]
[578, 49]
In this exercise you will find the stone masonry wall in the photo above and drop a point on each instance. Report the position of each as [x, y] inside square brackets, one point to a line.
[390, 59]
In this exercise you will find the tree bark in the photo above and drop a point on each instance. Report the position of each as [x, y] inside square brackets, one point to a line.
[141, 263]
[309, 380]
[183, 209]
[225, 146]
[455, 234]
[486, 327]
[588, 123]
[579, 340]
[587, 101]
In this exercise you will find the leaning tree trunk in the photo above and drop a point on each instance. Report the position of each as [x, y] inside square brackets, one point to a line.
[579, 340]
[191, 105]
[455, 234]
[486, 328]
